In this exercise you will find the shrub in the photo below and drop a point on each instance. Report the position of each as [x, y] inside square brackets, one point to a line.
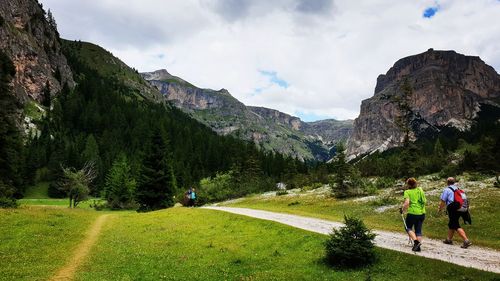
[384, 201]
[450, 170]
[8, 203]
[217, 188]
[313, 186]
[351, 245]
[98, 205]
[384, 182]
[281, 192]
[7, 199]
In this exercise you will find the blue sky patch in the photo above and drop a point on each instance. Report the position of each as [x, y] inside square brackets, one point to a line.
[430, 12]
[273, 78]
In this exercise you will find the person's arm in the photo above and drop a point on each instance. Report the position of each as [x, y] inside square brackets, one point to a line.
[441, 205]
[406, 204]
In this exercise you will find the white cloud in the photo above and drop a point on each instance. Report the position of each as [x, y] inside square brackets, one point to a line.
[330, 54]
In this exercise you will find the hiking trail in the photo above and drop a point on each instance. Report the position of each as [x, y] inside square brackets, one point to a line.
[474, 257]
[67, 272]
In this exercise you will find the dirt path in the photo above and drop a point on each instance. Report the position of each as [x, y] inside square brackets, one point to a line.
[475, 257]
[67, 272]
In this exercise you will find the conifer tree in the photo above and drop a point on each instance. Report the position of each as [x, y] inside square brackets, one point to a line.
[120, 185]
[157, 182]
[343, 172]
[409, 153]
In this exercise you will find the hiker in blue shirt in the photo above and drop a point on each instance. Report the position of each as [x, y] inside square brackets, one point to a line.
[192, 197]
[447, 199]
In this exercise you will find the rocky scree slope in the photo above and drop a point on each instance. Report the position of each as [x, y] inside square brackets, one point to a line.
[268, 128]
[448, 89]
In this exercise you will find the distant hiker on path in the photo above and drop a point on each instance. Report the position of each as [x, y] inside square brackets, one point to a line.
[451, 198]
[414, 204]
[192, 197]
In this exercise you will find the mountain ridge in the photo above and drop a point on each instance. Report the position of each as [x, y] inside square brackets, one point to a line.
[268, 128]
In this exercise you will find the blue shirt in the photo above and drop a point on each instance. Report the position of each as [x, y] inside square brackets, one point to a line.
[448, 196]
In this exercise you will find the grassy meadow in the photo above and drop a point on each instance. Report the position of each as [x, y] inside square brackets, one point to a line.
[36, 241]
[198, 244]
[180, 243]
[381, 212]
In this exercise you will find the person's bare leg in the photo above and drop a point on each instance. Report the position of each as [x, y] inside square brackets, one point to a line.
[419, 238]
[462, 234]
[412, 235]
[450, 234]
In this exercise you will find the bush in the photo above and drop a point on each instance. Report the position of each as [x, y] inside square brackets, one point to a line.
[218, 188]
[281, 192]
[98, 205]
[351, 245]
[450, 170]
[8, 203]
[384, 182]
[384, 201]
[313, 186]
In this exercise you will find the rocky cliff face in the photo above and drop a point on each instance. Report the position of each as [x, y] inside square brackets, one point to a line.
[329, 131]
[34, 46]
[270, 129]
[185, 95]
[279, 117]
[447, 90]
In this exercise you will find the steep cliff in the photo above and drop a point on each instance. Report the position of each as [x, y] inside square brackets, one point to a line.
[30, 38]
[270, 129]
[447, 90]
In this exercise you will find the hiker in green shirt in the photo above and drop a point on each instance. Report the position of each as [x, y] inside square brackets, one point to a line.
[414, 204]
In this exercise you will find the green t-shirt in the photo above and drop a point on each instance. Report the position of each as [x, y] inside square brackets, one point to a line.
[417, 201]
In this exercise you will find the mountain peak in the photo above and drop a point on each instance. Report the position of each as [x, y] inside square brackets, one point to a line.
[448, 89]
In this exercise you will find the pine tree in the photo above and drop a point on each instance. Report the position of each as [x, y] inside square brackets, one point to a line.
[438, 157]
[409, 153]
[120, 185]
[343, 171]
[157, 183]
[51, 20]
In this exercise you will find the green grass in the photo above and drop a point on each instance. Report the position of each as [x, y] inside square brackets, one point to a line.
[484, 211]
[198, 244]
[55, 202]
[36, 241]
[32, 110]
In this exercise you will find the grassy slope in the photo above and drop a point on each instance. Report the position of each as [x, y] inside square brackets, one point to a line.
[36, 241]
[197, 244]
[484, 210]
[108, 65]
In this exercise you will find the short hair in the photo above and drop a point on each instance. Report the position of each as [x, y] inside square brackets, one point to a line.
[412, 182]
[450, 180]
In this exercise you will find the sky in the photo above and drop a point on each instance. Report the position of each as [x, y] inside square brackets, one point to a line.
[315, 59]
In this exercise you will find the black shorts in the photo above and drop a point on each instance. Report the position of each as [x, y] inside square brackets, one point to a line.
[454, 217]
[415, 220]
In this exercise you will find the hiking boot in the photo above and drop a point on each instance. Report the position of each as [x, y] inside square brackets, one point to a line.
[416, 246]
[466, 244]
[447, 241]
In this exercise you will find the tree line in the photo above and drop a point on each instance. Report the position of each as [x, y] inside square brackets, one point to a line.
[143, 153]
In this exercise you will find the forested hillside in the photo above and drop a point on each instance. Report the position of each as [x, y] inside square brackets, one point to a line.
[103, 120]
